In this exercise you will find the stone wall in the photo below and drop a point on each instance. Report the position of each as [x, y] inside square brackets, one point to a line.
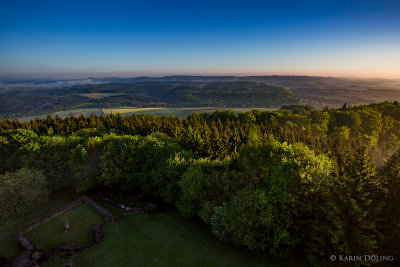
[151, 207]
[107, 215]
[26, 258]
[50, 216]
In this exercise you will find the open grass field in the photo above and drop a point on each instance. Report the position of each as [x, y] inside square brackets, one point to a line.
[124, 110]
[99, 95]
[164, 239]
[51, 234]
[78, 111]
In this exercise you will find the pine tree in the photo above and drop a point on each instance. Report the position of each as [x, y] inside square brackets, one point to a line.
[350, 212]
[391, 215]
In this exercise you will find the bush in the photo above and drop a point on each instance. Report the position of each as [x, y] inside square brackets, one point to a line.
[219, 225]
[22, 192]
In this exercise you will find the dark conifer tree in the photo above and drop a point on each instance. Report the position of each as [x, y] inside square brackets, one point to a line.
[350, 211]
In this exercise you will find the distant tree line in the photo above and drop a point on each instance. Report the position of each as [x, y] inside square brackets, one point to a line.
[290, 182]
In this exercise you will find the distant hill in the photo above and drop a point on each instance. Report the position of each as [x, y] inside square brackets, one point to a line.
[20, 102]
[29, 97]
[229, 94]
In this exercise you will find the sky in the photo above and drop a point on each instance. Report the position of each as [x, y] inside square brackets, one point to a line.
[76, 39]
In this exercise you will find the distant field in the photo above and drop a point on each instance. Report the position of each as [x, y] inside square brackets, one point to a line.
[179, 112]
[123, 110]
[99, 95]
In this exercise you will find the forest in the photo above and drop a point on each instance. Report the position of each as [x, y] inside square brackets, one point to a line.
[298, 181]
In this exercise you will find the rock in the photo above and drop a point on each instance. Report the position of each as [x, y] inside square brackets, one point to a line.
[37, 255]
[98, 233]
[66, 224]
[24, 242]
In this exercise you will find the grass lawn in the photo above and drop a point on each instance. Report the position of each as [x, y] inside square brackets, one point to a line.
[8, 246]
[99, 95]
[166, 239]
[51, 234]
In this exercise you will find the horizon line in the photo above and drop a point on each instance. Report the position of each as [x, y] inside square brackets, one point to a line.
[78, 76]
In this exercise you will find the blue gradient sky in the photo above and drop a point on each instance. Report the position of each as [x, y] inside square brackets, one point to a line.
[129, 38]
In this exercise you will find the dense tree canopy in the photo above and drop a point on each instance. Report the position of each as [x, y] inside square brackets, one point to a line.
[290, 182]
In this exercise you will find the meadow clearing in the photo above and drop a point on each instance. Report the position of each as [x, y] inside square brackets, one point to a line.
[164, 239]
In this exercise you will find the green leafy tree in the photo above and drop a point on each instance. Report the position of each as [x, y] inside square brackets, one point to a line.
[84, 163]
[22, 192]
[15, 145]
[282, 183]
[250, 220]
[118, 161]
[205, 185]
[52, 158]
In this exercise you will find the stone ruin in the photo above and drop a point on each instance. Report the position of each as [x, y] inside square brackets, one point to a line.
[32, 256]
[150, 208]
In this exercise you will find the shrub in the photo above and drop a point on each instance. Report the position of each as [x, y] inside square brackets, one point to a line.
[219, 225]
